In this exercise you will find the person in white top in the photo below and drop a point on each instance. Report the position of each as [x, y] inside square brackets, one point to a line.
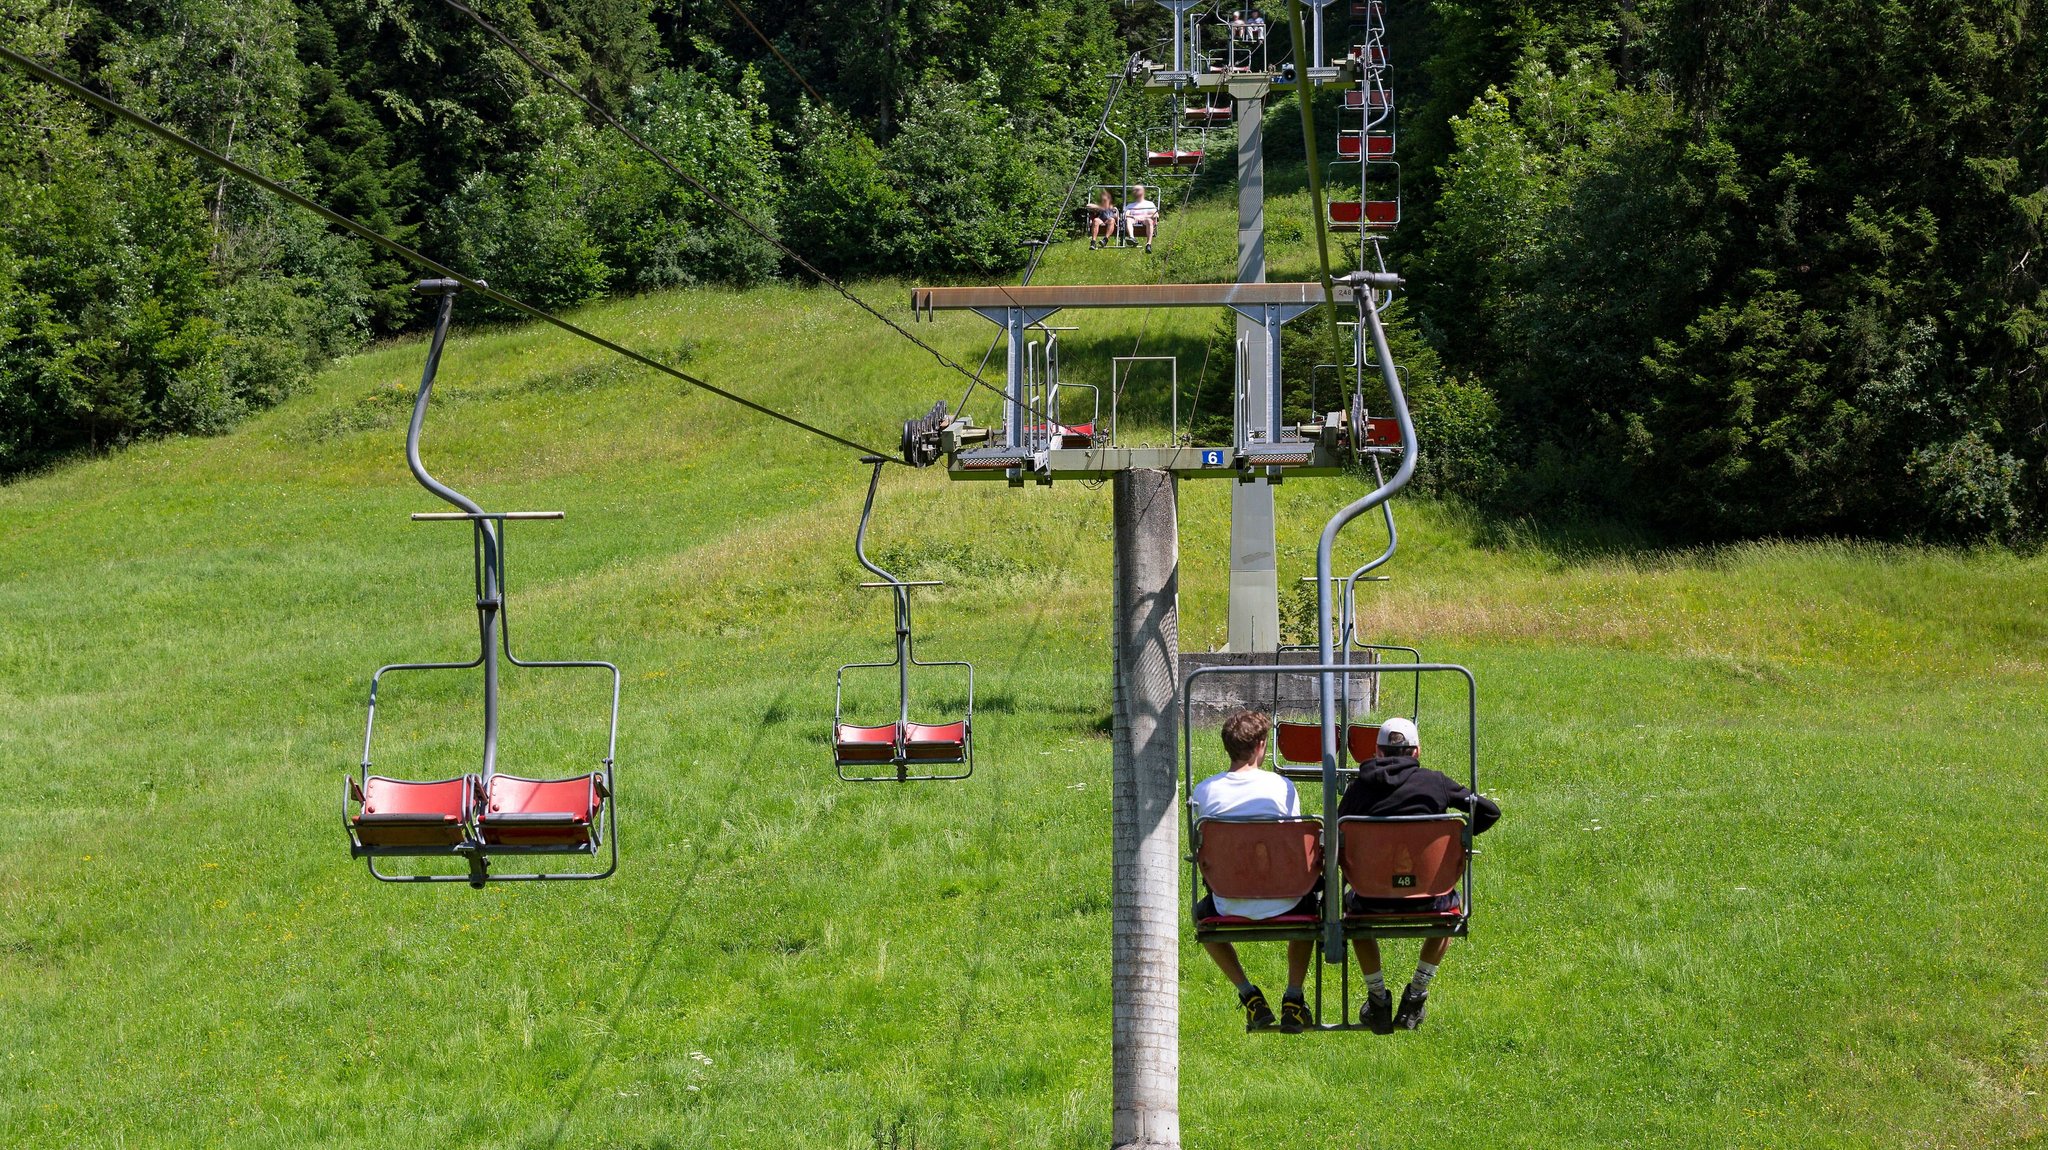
[1246, 792]
[1141, 214]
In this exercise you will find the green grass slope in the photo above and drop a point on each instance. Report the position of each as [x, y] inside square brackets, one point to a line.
[1769, 872]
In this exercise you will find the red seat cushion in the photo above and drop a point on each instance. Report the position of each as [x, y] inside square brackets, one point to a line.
[1299, 742]
[539, 812]
[1365, 741]
[397, 813]
[1429, 915]
[1276, 920]
[855, 744]
[935, 741]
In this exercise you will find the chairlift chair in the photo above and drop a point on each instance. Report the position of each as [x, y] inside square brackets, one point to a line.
[1406, 858]
[478, 816]
[909, 750]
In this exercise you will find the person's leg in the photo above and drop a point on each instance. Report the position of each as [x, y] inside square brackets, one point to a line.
[1368, 952]
[1300, 952]
[1377, 1011]
[1415, 999]
[1225, 956]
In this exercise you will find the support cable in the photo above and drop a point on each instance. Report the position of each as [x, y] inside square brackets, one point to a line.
[1304, 95]
[746, 221]
[136, 119]
[770, 45]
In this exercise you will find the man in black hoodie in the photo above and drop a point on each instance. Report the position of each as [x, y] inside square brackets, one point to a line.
[1396, 783]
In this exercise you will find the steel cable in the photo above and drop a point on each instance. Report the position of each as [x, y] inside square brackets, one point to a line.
[137, 119]
[722, 204]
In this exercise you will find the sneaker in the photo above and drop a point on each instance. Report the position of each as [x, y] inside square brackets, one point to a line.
[1376, 1013]
[1257, 1015]
[1413, 1004]
[1294, 1016]
[1148, 249]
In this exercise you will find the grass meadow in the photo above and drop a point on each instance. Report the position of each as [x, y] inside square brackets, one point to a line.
[1769, 874]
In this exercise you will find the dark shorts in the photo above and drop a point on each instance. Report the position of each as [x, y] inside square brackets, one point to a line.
[1108, 215]
[1356, 905]
[1310, 904]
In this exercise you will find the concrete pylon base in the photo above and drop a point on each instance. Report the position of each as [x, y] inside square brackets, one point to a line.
[1145, 905]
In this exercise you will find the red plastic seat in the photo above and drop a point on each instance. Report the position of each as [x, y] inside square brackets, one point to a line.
[1382, 213]
[1363, 741]
[935, 742]
[1345, 215]
[1419, 859]
[396, 813]
[1376, 146]
[855, 744]
[1173, 159]
[1383, 431]
[1209, 114]
[1299, 742]
[1277, 858]
[1074, 435]
[1216, 920]
[540, 812]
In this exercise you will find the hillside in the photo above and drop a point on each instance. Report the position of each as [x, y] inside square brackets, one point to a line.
[1767, 873]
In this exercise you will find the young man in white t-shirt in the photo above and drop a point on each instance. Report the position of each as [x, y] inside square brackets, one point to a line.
[1141, 215]
[1247, 792]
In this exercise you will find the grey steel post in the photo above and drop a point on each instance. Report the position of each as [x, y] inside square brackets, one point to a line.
[1275, 419]
[1363, 284]
[1145, 834]
[489, 598]
[1013, 332]
[1254, 623]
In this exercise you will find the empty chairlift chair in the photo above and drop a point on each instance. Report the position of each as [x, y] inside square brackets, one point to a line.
[904, 750]
[476, 817]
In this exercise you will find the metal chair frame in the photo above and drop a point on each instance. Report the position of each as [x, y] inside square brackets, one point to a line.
[906, 658]
[495, 633]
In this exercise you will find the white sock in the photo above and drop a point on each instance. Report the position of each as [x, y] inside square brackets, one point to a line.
[1424, 971]
[1376, 983]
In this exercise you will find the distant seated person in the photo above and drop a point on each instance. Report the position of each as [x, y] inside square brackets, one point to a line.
[1245, 793]
[1102, 216]
[1237, 25]
[1255, 28]
[1141, 214]
[1396, 783]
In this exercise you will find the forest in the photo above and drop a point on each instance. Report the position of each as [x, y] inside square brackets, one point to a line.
[1711, 270]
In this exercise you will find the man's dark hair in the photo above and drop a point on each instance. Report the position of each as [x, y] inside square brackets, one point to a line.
[1245, 732]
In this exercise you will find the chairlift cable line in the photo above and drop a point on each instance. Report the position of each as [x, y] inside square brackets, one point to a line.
[728, 208]
[1304, 95]
[770, 45]
[127, 115]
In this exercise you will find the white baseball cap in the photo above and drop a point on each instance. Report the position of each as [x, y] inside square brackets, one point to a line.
[1398, 734]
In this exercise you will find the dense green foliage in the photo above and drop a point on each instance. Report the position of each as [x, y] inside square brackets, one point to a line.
[1738, 270]
[140, 295]
[1717, 270]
